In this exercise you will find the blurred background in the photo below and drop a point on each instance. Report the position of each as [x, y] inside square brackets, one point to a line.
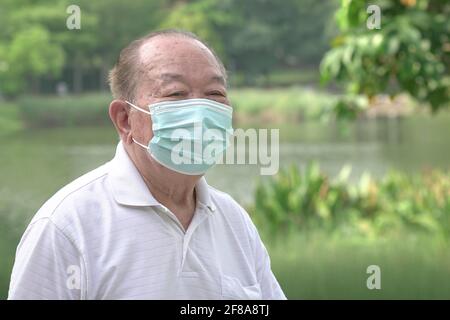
[361, 101]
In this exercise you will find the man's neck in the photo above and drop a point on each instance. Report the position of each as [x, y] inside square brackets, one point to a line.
[173, 190]
[179, 199]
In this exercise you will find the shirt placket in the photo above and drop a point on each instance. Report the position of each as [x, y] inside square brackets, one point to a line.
[199, 216]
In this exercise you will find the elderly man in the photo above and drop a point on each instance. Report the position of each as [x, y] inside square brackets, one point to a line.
[146, 225]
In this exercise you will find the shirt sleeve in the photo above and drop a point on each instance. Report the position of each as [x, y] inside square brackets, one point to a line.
[270, 288]
[47, 265]
[269, 285]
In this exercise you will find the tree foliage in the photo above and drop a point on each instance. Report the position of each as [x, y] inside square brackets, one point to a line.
[409, 53]
[253, 37]
[27, 48]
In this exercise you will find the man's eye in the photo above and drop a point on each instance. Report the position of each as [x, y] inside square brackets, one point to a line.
[217, 93]
[176, 94]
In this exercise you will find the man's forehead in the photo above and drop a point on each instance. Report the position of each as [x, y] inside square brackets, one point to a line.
[172, 59]
[170, 47]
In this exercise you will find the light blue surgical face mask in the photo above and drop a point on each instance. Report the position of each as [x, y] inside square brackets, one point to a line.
[188, 135]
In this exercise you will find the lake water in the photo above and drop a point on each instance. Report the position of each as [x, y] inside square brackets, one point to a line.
[35, 164]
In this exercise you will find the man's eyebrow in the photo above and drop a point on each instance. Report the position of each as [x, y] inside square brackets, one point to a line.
[219, 79]
[171, 77]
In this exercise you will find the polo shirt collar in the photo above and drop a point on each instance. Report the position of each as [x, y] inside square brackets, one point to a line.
[203, 195]
[129, 188]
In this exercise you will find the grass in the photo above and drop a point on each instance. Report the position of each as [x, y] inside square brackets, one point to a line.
[286, 105]
[278, 78]
[251, 105]
[316, 265]
[14, 211]
[10, 121]
[68, 111]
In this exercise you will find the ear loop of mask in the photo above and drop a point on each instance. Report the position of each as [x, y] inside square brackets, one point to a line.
[145, 111]
[138, 108]
[140, 144]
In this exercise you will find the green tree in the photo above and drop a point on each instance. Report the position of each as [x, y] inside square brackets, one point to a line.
[106, 27]
[28, 50]
[118, 23]
[409, 53]
[270, 34]
[254, 37]
[31, 54]
[205, 18]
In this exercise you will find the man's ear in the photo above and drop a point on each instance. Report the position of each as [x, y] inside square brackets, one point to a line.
[119, 113]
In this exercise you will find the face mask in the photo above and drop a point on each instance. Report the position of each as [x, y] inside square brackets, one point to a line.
[188, 135]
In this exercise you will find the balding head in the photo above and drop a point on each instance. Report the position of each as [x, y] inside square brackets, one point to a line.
[137, 62]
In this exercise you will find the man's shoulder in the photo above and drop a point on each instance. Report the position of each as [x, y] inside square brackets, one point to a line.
[84, 190]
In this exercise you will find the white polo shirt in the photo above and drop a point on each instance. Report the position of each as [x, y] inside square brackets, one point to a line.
[104, 236]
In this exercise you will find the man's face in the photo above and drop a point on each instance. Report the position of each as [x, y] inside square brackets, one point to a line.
[174, 68]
